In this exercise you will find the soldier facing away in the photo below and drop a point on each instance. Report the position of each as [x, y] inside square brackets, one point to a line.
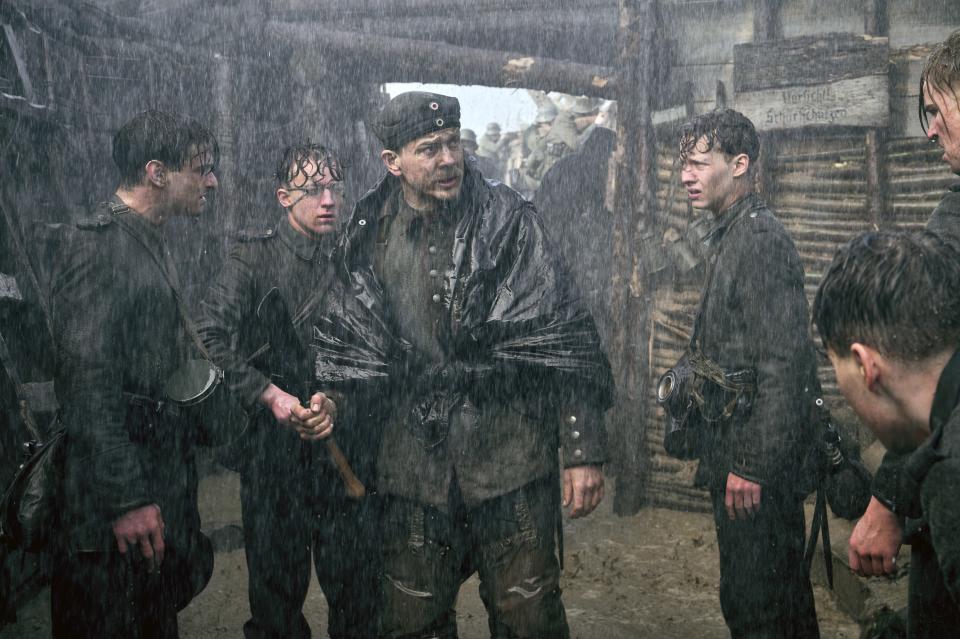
[133, 553]
[468, 464]
[293, 502]
[752, 317]
[877, 537]
[889, 315]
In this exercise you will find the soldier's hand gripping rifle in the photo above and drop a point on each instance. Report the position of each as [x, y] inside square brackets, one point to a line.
[287, 361]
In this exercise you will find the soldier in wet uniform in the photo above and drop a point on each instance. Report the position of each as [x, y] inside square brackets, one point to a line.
[888, 312]
[752, 316]
[469, 463]
[132, 553]
[876, 539]
[294, 503]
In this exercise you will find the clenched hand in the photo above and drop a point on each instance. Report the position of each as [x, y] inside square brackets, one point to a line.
[144, 527]
[875, 541]
[311, 422]
[582, 489]
[742, 497]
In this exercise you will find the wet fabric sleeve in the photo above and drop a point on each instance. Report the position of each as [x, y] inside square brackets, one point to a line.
[227, 306]
[945, 219]
[774, 338]
[544, 332]
[90, 315]
[942, 512]
[886, 485]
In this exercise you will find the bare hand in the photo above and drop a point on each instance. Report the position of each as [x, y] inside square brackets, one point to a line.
[875, 541]
[143, 527]
[582, 489]
[742, 498]
[316, 421]
[313, 422]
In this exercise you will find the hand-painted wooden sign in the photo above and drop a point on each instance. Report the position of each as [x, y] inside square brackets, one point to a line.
[826, 80]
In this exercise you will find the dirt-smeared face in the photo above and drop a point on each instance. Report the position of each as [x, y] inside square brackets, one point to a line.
[313, 199]
[708, 177]
[187, 188]
[943, 126]
[431, 168]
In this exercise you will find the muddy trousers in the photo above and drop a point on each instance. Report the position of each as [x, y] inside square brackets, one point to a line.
[509, 541]
[282, 529]
[106, 595]
[765, 592]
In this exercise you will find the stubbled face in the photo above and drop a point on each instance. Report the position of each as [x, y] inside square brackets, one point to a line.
[890, 425]
[313, 199]
[943, 126]
[708, 177]
[187, 189]
[431, 168]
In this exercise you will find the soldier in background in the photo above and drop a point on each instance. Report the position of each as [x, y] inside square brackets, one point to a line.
[133, 554]
[487, 167]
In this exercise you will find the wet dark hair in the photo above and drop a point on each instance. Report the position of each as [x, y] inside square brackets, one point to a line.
[941, 71]
[295, 160]
[155, 135]
[729, 131]
[895, 292]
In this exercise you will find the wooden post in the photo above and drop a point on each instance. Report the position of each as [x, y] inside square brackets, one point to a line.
[635, 209]
[767, 26]
[876, 24]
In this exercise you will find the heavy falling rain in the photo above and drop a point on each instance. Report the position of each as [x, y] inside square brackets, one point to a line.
[502, 318]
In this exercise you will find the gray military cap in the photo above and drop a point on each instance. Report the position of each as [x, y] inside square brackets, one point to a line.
[411, 115]
[467, 135]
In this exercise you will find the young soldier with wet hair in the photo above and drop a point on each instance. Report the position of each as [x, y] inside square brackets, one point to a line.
[132, 553]
[294, 504]
[876, 539]
[752, 318]
[889, 315]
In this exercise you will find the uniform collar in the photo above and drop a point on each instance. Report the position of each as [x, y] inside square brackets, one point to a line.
[306, 248]
[748, 202]
[149, 233]
[948, 393]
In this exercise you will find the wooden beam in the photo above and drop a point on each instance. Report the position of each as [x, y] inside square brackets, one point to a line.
[424, 8]
[877, 24]
[808, 60]
[635, 213]
[387, 59]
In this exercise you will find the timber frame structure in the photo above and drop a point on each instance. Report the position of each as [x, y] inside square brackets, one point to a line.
[262, 72]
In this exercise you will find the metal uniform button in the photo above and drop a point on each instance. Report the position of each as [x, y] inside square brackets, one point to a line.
[433, 272]
[362, 222]
[432, 250]
[578, 453]
[575, 434]
[572, 419]
[436, 297]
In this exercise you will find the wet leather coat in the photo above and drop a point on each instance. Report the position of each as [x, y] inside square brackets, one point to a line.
[119, 332]
[754, 314]
[511, 311]
[930, 477]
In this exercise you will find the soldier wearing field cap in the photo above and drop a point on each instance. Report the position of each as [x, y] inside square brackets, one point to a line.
[466, 275]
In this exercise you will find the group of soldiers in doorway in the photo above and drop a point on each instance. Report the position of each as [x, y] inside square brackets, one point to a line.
[521, 159]
[478, 362]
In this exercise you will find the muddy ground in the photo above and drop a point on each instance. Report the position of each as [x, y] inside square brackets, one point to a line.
[651, 575]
